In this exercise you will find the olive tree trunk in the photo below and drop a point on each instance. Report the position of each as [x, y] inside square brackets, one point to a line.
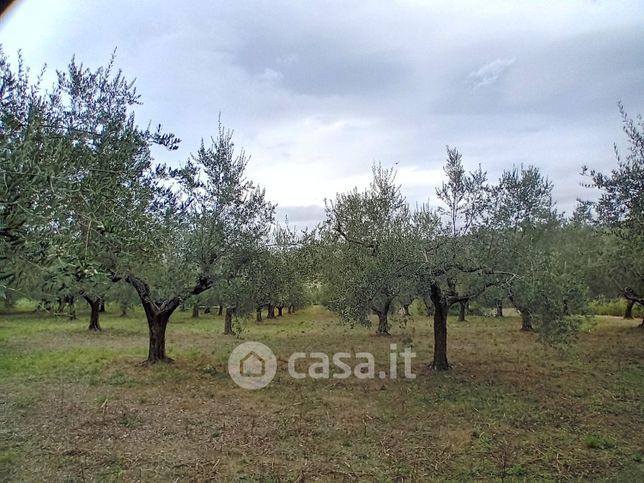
[628, 313]
[95, 308]
[526, 321]
[228, 321]
[383, 322]
[462, 306]
[499, 308]
[157, 324]
[441, 308]
[158, 312]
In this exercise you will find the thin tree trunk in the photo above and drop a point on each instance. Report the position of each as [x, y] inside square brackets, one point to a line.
[102, 306]
[271, 311]
[258, 314]
[221, 309]
[95, 309]
[228, 321]
[628, 313]
[279, 310]
[440, 328]
[291, 309]
[499, 308]
[461, 310]
[195, 311]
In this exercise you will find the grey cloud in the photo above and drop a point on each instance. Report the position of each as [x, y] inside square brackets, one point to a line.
[317, 92]
[322, 66]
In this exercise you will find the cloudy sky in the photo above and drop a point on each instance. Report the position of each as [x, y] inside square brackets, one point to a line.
[317, 91]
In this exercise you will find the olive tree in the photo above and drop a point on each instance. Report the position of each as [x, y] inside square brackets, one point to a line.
[620, 210]
[212, 217]
[455, 246]
[366, 237]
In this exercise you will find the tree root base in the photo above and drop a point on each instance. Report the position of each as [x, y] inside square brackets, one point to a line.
[151, 362]
[441, 367]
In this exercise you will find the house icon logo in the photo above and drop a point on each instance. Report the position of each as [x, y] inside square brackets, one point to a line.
[252, 365]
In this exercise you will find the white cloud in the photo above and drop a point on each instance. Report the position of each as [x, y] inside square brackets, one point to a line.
[489, 73]
[271, 75]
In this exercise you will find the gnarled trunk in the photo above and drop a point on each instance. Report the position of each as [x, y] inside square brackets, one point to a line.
[101, 307]
[499, 309]
[258, 314]
[95, 308]
[441, 308]
[221, 309]
[157, 325]
[279, 310]
[526, 316]
[291, 309]
[158, 312]
[628, 313]
[158, 316]
[228, 321]
[271, 311]
[195, 311]
[383, 322]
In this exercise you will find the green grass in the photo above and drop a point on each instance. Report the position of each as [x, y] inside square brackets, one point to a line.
[80, 406]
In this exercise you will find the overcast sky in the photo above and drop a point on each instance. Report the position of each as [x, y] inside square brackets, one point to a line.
[317, 91]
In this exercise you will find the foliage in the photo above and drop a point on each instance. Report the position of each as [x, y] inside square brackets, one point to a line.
[620, 210]
[366, 246]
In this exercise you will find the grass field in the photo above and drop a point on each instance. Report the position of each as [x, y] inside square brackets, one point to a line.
[79, 406]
